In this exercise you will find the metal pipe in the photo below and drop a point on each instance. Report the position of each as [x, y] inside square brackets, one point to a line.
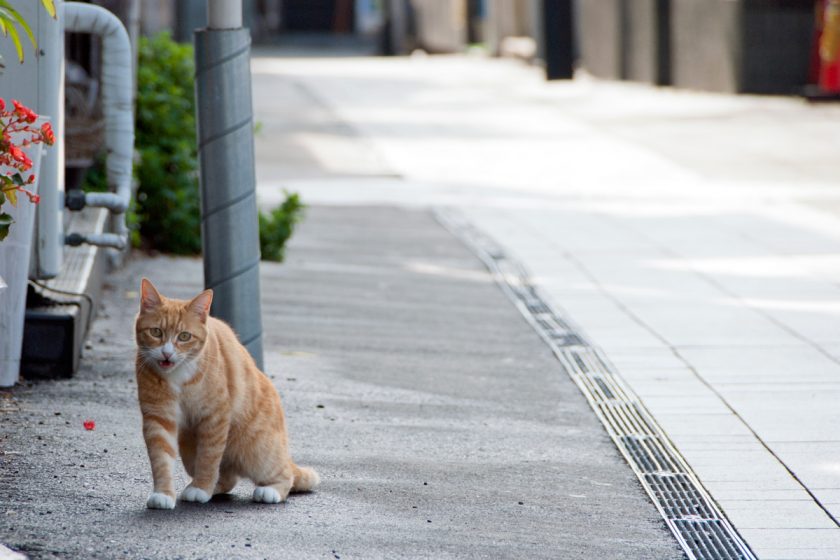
[112, 240]
[112, 201]
[49, 250]
[229, 224]
[224, 14]
[117, 106]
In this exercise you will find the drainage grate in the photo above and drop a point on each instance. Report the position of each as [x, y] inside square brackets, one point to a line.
[678, 496]
[537, 307]
[711, 538]
[700, 528]
[649, 453]
[608, 394]
[579, 362]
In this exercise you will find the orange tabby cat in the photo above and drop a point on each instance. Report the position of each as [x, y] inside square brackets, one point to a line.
[202, 394]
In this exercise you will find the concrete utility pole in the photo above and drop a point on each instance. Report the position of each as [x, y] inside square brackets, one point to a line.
[229, 223]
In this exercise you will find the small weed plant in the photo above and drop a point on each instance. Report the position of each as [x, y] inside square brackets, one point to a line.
[277, 226]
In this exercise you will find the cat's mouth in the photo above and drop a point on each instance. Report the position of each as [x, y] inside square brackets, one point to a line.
[165, 364]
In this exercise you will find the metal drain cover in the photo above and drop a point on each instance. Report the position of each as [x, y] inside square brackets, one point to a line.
[702, 530]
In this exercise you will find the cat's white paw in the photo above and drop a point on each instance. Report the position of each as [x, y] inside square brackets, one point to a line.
[160, 501]
[193, 494]
[266, 495]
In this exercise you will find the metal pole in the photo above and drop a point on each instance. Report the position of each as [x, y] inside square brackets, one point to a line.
[558, 39]
[397, 20]
[229, 227]
[224, 14]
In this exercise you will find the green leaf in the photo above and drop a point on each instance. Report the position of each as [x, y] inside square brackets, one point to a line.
[22, 22]
[13, 34]
[5, 222]
[49, 5]
[10, 19]
[11, 194]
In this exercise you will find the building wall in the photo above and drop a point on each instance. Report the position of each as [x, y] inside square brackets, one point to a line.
[441, 26]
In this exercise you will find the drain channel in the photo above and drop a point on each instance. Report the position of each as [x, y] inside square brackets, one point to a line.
[701, 529]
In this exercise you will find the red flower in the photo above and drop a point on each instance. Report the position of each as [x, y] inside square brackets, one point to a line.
[21, 110]
[13, 159]
[47, 134]
[17, 153]
[19, 156]
[89, 425]
[24, 112]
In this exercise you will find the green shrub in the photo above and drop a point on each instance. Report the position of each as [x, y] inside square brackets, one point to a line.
[96, 179]
[168, 208]
[277, 226]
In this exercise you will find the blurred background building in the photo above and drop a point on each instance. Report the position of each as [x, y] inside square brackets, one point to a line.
[754, 46]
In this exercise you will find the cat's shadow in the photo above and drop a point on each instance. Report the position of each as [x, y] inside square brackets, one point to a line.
[220, 503]
[225, 499]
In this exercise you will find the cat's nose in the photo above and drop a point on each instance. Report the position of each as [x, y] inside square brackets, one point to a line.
[166, 355]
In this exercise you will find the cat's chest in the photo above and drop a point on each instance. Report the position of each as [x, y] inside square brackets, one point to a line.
[183, 417]
[190, 409]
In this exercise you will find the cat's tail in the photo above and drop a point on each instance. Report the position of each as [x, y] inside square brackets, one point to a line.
[305, 479]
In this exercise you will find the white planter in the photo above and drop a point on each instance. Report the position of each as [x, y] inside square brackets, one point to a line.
[15, 251]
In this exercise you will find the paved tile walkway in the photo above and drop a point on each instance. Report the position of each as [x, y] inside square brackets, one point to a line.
[694, 237]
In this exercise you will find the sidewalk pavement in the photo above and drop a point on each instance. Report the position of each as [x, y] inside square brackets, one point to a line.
[693, 237]
[439, 421]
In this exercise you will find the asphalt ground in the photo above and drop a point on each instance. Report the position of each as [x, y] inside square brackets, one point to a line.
[441, 424]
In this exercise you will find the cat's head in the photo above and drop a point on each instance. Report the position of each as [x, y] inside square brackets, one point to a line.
[170, 333]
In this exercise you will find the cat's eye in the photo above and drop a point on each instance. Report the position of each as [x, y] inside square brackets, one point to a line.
[184, 336]
[156, 332]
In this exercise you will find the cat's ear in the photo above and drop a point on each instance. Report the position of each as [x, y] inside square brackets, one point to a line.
[200, 304]
[150, 298]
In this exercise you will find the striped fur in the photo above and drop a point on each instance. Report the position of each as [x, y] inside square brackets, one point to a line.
[203, 397]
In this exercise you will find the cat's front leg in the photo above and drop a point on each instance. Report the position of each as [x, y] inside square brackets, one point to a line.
[211, 440]
[159, 431]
